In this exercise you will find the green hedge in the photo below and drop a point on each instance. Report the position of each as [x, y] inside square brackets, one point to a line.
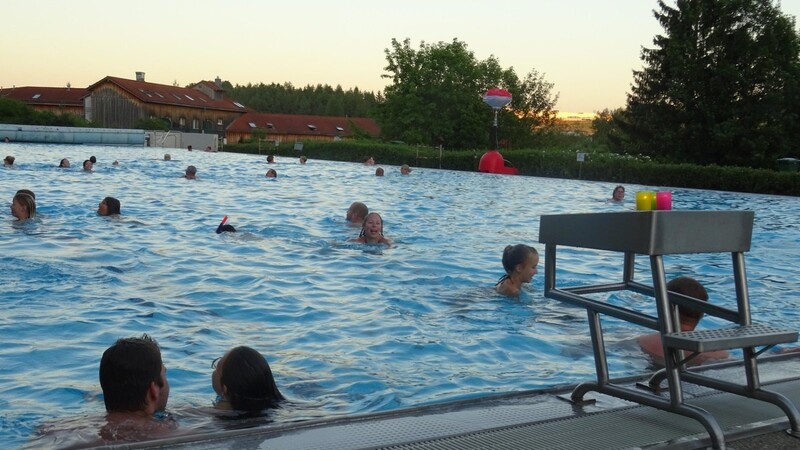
[598, 166]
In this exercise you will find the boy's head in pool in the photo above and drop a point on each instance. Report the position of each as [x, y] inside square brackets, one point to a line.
[109, 206]
[520, 260]
[379, 172]
[692, 288]
[87, 165]
[243, 377]
[356, 213]
[23, 205]
[133, 377]
[271, 173]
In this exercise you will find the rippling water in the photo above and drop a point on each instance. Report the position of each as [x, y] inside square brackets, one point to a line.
[346, 328]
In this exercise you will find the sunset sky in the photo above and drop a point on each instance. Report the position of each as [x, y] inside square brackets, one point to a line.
[586, 48]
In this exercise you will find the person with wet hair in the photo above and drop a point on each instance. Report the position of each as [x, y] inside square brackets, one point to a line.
[689, 318]
[109, 206]
[64, 164]
[243, 381]
[135, 387]
[271, 173]
[87, 165]
[379, 172]
[519, 262]
[372, 230]
[356, 213]
[191, 173]
[8, 161]
[618, 194]
[23, 205]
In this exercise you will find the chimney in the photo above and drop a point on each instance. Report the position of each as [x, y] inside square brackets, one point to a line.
[218, 81]
[139, 76]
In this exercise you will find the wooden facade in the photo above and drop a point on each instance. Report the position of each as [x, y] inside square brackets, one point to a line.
[120, 103]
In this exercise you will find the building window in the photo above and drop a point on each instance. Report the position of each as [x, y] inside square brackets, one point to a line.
[182, 122]
[219, 122]
[252, 124]
[195, 124]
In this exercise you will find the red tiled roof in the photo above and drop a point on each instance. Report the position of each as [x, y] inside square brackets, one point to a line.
[303, 125]
[170, 95]
[35, 95]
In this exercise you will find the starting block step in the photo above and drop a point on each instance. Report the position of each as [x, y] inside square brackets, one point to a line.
[742, 336]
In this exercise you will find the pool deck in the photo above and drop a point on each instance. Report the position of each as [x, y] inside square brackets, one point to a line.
[537, 419]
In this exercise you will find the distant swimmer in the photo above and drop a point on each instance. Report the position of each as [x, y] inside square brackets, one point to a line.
[23, 206]
[191, 173]
[356, 213]
[109, 206]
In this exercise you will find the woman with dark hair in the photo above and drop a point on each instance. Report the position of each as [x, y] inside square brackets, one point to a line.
[64, 163]
[243, 381]
[109, 207]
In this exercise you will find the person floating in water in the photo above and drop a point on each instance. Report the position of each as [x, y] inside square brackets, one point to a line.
[379, 172]
[618, 194]
[8, 161]
[372, 231]
[87, 165]
[688, 318]
[356, 213]
[109, 206]
[271, 173]
[23, 205]
[64, 163]
[135, 388]
[405, 170]
[243, 381]
[191, 173]
[519, 262]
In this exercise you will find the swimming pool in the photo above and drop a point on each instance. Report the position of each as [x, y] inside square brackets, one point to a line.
[346, 328]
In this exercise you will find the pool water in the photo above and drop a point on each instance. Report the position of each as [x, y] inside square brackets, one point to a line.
[347, 328]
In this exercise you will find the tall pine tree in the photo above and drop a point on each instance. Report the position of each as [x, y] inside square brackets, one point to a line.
[720, 86]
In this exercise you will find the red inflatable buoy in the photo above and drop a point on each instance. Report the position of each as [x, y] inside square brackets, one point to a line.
[492, 162]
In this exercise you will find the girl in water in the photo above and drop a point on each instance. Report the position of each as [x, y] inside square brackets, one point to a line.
[243, 381]
[23, 206]
[372, 230]
[108, 207]
[520, 263]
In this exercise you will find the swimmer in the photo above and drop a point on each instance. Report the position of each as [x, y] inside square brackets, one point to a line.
[372, 231]
[356, 213]
[688, 318]
[379, 172]
[369, 161]
[93, 159]
[618, 195]
[405, 170]
[519, 262]
[271, 173]
[23, 205]
[115, 163]
[189, 148]
[303, 159]
[8, 161]
[87, 165]
[270, 159]
[191, 173]
[167, 157]
[109, 206]
[243, 381]
[64, 163]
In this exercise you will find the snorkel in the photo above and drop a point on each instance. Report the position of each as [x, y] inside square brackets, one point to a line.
[219, 228]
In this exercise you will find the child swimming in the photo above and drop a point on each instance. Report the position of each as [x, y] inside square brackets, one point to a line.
[520, 263]
[372, 230]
